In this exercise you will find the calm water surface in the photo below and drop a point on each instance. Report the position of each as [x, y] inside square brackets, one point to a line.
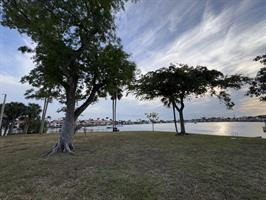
[247, 129]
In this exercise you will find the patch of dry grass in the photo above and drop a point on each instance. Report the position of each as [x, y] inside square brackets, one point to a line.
[135, 166]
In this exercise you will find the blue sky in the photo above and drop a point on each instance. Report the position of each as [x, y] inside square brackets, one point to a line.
[220, 34]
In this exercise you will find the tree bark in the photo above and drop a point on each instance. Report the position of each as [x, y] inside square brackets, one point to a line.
[5, 131]
[181, 117]
[113, 110]
[45, 106]
[176, 130]
[182, 123]
[64, 143]
[26, 128]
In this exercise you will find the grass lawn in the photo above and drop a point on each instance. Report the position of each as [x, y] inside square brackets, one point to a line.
[134, 165]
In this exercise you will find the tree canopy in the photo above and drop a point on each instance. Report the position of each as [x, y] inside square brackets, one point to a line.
[14, 111]
[179, 82]
[75, 45]
[258, 84]
[76, 53]
[31, 115]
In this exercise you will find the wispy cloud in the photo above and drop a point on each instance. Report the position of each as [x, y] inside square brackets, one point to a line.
[227, 38]
[223, 35]
[219, 40]
[247, 106]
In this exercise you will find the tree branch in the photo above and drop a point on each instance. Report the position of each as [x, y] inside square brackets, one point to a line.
[89, 100]
[14, 3]
[177, 108]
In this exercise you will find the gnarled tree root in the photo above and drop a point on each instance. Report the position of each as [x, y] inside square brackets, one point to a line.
[181, 134]
[60, 147]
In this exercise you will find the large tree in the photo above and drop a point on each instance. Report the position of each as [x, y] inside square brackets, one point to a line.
[177, 83]
[77, 51]
[258, 84]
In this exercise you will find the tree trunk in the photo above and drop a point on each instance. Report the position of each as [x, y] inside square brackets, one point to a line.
[152, 127]
[113, 112]
[182, 123]
[5, 131]
[64, 143]
[26, 128]
[181, 116]
[46, 101]
[176, 130]
[68, 128]
[66, 133]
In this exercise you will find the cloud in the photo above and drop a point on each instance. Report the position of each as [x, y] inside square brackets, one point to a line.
[252, 105]
[12, 62]
[223, 35]
[219, 40]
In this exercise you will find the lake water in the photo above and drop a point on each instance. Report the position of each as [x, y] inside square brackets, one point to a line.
[247, 129]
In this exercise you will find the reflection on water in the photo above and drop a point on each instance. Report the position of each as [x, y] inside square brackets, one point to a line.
[247, 129]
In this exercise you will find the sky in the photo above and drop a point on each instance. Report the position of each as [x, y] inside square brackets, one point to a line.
[221, 34]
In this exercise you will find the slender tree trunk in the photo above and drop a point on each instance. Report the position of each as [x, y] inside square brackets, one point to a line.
[45, 106]
[176, 130]
[152, 127]
[113, 110]
[26, 128]
[181, 116]
[182, 122]
[5, 131]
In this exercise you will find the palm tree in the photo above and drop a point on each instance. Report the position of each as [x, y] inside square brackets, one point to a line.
[116, 95]
[170, 102]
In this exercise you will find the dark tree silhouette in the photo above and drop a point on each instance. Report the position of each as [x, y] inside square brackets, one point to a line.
[177, 83]
[116, 95]
[258, 84]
